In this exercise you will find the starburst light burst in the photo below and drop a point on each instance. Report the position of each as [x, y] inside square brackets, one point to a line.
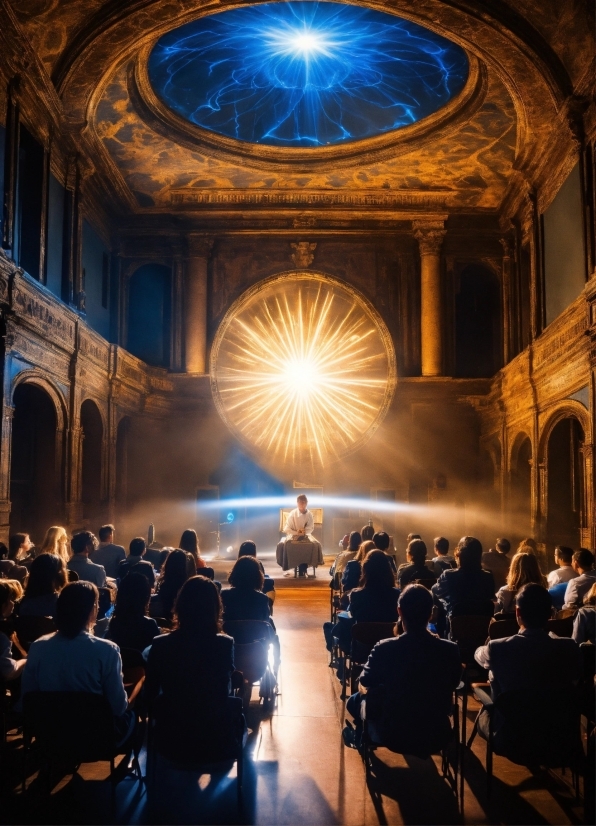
[302, 370]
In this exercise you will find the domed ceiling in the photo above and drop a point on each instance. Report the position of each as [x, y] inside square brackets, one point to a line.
[305, 74]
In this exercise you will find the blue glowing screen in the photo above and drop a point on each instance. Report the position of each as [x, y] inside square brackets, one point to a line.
[305, 74]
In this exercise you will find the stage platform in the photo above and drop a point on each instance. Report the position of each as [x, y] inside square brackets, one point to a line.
[223, 566]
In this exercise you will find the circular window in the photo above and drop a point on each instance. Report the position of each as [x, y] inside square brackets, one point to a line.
[305, 74]
[302, 370]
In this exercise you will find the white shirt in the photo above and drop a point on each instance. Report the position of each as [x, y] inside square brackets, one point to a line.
[562, 574]
[297, 521]
[577, 588]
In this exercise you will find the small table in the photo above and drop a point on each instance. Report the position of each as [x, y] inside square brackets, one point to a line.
[291, 554]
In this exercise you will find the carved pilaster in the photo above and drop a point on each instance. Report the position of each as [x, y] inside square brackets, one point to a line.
[5, 455]
[430, 235]
[508, 346]
[74, 504]
[177, 325]
[11, 160]
[199, 250]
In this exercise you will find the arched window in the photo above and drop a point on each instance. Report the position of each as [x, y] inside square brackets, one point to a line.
[565, 467]
[477, 323]
[91, 469]
[149, 310]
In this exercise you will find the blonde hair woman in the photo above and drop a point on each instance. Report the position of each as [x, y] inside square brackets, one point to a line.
[524, 569]
[56, 542]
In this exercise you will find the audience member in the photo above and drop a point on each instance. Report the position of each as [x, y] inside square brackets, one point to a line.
[189, 542]
[409, 682]
[532, 659]
[584, 623]
[8, 567]
[174, 574]
[442, 560]
[47, 578]
[82, 545]
[353, 570]
[526, 543]
[20, 548]
[107, 553]
[136, 563]
[375, 599]
[342, 559]
[10, 592]
[245, 600]
[565, 570]
[524, 569]
[56, 542]
[497, 562]
[367, 532]
[344, 542]
[73, 659]
[415, 567]
[129, 626]
[467, 590]
[577, 588]
[382, 542]
[189, 673]
[249, 548]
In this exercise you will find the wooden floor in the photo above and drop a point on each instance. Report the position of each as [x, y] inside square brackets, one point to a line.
[296, 769]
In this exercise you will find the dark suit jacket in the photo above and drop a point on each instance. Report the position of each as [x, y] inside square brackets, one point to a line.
[374, 605]
[464, 592]
[245, 604]
[411, 680]
[137, 565]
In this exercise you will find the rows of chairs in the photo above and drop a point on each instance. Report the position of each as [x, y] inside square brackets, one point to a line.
[525, 712]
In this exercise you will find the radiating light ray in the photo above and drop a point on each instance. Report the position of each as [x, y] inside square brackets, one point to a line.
[302, 370]
[305, 73]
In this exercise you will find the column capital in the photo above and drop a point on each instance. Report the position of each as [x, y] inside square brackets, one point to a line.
[430, 235]
[199, 246]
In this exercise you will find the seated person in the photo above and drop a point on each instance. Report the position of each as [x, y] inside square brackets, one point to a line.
[442, 560]
[557, 595]
[353, 570]
[375, 599]
[584, 623]
[565, 571]
[56, 542]
[136, 563]
[107, 553]
[578, 587]
[299, 527]
[382, 542]
[174, 574]
[12, 558]
[409, 682]
[245, 599]
[415, 567]
[367, 532]
[249, 548]
[83, 544]
[342, 559]
[497, 562]
[524, 569]
[129, 625]
[467, 590]
[72, 659]
[532, 659]
[189, 671]
[47, 578]
[10, 593]
[344, 542]
[189, 542]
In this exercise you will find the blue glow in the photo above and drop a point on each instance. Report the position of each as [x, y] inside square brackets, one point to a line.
[305, 74]
[288, 501]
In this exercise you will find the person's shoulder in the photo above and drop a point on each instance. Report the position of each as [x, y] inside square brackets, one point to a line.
[100, 644]
[224, 640]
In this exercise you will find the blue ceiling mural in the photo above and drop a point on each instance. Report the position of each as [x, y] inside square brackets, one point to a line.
[305, 74]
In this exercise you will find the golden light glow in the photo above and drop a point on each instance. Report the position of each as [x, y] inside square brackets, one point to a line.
[302, 369]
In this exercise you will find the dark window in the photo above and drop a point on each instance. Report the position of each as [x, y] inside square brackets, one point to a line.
[149, 305]
[477, 324]
[29, 202]
[105, 280]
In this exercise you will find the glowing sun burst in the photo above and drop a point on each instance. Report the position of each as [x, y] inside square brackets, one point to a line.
[302, 369]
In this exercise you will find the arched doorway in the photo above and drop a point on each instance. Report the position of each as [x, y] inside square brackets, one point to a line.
[122, 445]
[35, 469]
[520, 503]
[565, 487]
[91, 461]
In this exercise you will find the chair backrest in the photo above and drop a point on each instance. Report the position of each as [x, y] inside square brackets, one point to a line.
[428, 582]
[245, 631]
[132, 658]
[538, 727]
[29, 629]
[251, 659]
[76, 725]
[365, 635]
[502, 628]
[469, 628]
[566, 612]
[560, 627]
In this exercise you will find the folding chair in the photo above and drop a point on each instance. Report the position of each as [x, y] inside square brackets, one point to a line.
[365, 635]
[251, 655]
[561, 627]
[469, 632]
[427, 582]
[73, 727]
[532, 728]
[498, 629]
[335, 592]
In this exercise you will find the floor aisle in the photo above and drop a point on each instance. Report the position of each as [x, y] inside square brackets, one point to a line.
[296, 770]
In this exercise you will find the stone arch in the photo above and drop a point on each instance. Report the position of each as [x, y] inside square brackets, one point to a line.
[92, 458]
[39, 379]
[520, 485]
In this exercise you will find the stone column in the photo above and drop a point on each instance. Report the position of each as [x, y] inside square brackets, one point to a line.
[430, 235]
[5, 456]
[195, 339]
[507, 245]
